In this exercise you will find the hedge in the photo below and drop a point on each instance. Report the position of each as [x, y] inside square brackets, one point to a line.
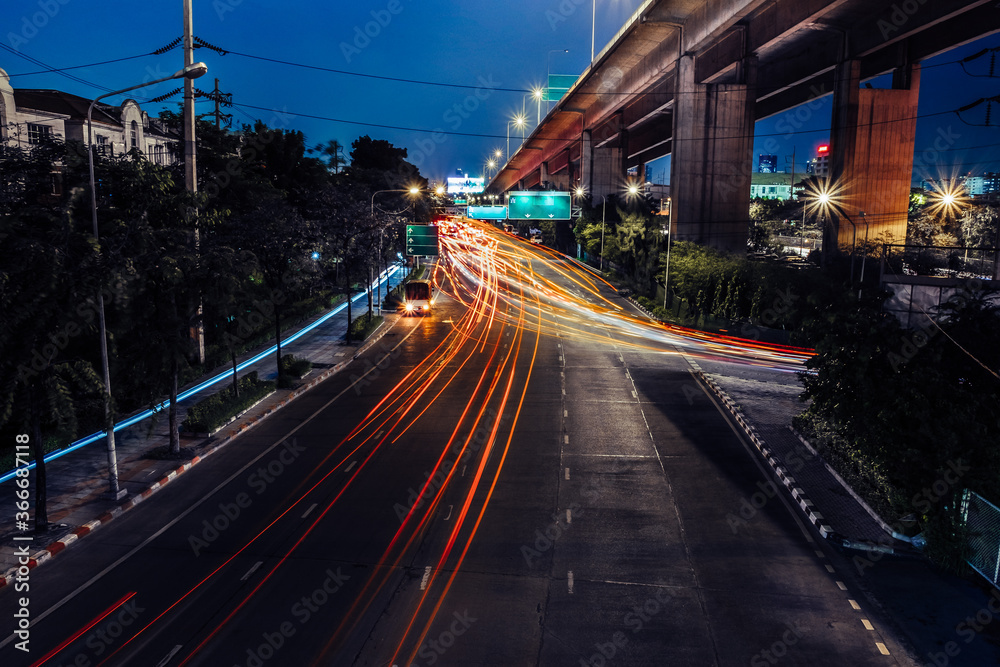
[217, 410]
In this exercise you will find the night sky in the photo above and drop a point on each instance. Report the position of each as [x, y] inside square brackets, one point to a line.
[485, 46]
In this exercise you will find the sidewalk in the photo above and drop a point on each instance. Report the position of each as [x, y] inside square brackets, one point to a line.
[78, 480]
[941, 618]
[930, 609]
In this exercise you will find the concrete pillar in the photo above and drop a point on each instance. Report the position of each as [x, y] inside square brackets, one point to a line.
[586, 162]
[871, 164]
[711, 161]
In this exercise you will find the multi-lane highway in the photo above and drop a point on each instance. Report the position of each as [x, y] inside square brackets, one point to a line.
[531, 475]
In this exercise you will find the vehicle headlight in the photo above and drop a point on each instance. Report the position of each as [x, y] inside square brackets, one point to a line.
[409, 306]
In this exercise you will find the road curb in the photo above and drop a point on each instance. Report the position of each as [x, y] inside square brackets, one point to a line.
[74, 535]
[798, 495]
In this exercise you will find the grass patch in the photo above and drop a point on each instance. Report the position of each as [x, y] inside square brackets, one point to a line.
[218, 409]
[292, 369]
[363, 326]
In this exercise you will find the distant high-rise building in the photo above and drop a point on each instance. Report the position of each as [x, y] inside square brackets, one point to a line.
[767, 164]
[820, 165]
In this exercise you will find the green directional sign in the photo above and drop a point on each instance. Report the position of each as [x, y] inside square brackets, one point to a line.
[421, 240]
[559, 85]
[487, 212]
[539, 205]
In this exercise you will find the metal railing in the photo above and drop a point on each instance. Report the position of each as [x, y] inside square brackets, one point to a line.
[940, 261]
[982, 521]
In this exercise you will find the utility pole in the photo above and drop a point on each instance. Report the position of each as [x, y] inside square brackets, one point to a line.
[221, 100]
[190, 166]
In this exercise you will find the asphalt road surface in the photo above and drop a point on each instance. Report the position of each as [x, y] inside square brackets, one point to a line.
[529, 475]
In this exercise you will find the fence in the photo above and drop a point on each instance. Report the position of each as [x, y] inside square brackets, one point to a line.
[982, 519]
[941, 261]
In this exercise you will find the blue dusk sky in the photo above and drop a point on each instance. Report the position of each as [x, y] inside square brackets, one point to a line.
[489, 54]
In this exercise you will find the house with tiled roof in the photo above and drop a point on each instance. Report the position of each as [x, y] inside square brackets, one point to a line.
[28, 116]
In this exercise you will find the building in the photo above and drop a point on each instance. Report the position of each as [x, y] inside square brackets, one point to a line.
[986, 186]
[767, 164]
[820, 165]
[28, 116]
[771, 186]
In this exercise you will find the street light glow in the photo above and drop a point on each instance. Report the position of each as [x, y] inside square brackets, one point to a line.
[414, 190]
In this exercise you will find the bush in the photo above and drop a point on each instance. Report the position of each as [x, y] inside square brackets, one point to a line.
[295, 367]
[363, 326]
[217, 410]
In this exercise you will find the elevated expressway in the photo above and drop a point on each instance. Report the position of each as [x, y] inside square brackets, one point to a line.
[690, 78]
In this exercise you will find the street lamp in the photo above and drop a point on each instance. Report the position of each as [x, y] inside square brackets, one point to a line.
[192, 71]
[518, 120]
[538, 94]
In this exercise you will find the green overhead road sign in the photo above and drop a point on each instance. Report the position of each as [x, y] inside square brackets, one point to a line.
[421, 240]
[487, 212]
[539, 205]
[559, 85]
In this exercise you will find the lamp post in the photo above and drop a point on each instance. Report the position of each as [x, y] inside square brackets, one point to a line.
[519, 121]
[191, 71]
[593, 27]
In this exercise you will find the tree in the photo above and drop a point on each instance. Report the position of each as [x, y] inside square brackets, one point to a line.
[50, 269]
[333, 151]
[980, 226]
[282, 242]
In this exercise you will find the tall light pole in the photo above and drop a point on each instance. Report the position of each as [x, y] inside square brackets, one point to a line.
[538, 94]
[191, 71]
[519, 121]
[593, 28]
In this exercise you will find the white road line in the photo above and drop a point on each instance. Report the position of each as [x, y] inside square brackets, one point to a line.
[167, 658]
[566, 439]
[463, 471]
[251, 570]
[881, 648]
[565, 413]
[829, 568]
[567, 473]
[569, 581]
[854, 605]
[569, 516]
[350, 466]
[427, 575]
[867, 624]
[195, 505]
[841, 586]
[449, 512]
[311, 508]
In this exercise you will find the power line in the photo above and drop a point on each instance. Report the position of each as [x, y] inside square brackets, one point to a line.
[64, 69]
